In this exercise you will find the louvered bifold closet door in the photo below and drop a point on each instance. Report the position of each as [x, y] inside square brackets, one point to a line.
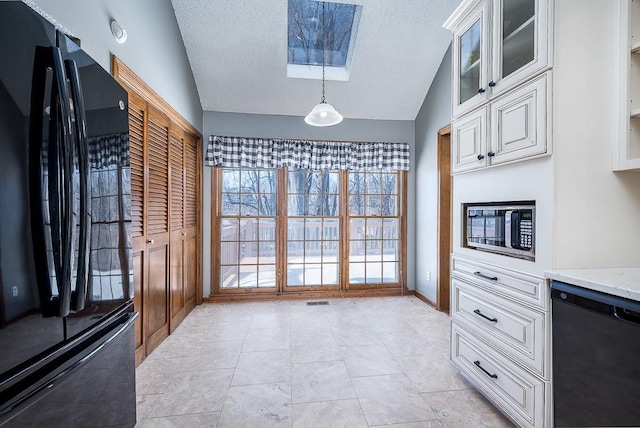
[137, 137]
[176, 162]
[192, 169]
[157, 228]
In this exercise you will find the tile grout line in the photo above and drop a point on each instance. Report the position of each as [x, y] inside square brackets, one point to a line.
[224, 402]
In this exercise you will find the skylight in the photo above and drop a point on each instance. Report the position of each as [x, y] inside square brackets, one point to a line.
[308, 40]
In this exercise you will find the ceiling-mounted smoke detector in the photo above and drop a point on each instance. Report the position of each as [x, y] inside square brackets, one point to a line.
[118, 31]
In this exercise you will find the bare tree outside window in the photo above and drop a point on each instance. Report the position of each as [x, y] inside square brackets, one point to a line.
[248, 228]
[308, 38]
[312, 222]
[373, 228]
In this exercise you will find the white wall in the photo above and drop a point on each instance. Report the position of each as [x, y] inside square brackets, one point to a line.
[154, 49]
[597, 214]
[434, 114]
[268, 126]
[530, 180]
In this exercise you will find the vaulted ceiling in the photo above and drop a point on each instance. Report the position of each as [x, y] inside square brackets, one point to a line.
[238, 54]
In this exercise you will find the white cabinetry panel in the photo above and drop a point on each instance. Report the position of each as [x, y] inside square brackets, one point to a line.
[469, 141]
[471, 60]
[519, 394]
[516, 285]
[513, 329]
[519, 122]
[521, 41]
[627, 146]
[500, 337]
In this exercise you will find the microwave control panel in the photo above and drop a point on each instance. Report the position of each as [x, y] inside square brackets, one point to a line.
[526, 234]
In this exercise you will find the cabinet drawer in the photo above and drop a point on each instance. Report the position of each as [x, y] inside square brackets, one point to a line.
[513, 329]
[519, 122]
[519, 394]
[525, 287]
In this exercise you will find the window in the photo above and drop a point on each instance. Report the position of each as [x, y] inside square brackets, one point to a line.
[248, 229]
[309, 41]
[288, 230]
[313, 228]
[374, 228]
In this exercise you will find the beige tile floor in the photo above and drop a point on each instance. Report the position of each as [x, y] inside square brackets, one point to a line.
[363, 362]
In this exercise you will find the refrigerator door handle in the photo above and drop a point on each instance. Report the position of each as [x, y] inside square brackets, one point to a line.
[84, 241]
[50, 59]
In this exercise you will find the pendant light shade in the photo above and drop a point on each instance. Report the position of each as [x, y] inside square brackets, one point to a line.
[323, 114]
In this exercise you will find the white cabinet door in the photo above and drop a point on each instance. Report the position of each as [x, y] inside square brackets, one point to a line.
[519, 122]
[471, 60]
[469, 141]
[521, 42]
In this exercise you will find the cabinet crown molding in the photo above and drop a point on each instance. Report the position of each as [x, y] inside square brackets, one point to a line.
[460, 13]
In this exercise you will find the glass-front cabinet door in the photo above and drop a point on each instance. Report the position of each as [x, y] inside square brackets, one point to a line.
[520, 41]
[471, 61]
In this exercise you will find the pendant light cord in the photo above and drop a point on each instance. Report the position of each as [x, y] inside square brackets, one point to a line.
[324, 51]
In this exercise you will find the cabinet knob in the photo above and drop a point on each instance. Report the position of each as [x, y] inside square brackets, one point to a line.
[492, 84]
[481, 90]
[184, 233]
[150, 241]
[480, 157]
[491, 154]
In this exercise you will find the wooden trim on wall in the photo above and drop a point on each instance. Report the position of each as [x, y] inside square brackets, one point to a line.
[214, 287]
[425, 299]
[445, 191]
[126, 76]
[403, 225]
[310, 295]
[200, 219]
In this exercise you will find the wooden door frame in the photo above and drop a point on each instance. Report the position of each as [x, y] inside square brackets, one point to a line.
[445, 192]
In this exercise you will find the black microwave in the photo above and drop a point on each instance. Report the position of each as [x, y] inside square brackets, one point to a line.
[507, 229]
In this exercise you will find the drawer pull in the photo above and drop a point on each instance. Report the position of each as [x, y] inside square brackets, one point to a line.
[477, 312]
[492, 376]
[481, 275]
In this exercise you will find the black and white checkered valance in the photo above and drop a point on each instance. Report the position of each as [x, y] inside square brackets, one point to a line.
[109, 150]
[239, 152]
[104, 151]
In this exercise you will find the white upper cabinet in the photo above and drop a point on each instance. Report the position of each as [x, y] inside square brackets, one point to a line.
[469, 141]
[515, 126]
[497, 44]
[521, 41]
[627, 145]
[519, 122]
[471, 60]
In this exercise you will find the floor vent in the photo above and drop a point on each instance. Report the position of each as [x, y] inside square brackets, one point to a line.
[324, 302]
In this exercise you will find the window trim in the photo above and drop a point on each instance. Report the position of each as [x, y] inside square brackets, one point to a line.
[281, 289]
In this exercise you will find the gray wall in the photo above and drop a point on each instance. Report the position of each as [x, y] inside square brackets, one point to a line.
[434, 114]
[268, 126]
[154, 49]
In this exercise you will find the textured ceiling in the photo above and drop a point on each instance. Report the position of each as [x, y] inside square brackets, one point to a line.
[238, 54]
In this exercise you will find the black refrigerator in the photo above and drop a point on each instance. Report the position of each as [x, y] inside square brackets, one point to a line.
[66, 284]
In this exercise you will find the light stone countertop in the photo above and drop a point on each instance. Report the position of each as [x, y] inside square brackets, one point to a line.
[621, 282]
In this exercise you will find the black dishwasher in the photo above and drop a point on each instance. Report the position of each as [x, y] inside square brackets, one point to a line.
[596, 358]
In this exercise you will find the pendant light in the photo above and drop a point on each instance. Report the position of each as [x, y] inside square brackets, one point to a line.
[323, 114]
